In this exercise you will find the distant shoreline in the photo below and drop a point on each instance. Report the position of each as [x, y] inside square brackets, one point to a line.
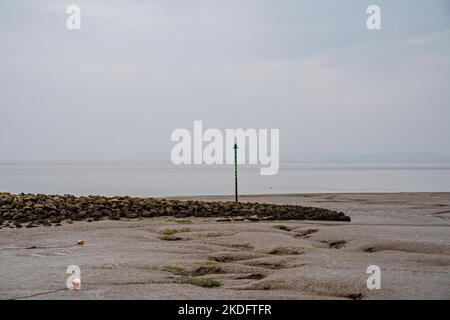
[143, 179]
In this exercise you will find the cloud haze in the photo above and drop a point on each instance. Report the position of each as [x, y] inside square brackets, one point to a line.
[137, 70]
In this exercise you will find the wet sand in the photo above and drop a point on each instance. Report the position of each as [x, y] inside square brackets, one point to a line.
[406, 234]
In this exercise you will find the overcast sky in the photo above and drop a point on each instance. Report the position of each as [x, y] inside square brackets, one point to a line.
[137, 70]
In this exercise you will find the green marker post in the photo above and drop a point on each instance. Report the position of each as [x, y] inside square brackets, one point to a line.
[235, 172]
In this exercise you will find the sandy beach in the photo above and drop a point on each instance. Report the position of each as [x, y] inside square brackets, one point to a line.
[406, 234]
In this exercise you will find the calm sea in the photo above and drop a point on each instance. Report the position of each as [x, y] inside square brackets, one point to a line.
[164, 179]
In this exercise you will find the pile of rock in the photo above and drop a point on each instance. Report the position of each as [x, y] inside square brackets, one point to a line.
[52, 209]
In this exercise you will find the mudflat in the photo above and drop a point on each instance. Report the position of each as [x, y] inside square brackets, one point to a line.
[406, 234]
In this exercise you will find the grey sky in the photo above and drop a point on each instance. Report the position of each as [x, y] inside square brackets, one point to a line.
[137, 70]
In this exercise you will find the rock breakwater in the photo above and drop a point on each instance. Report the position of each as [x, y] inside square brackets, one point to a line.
[32, 210]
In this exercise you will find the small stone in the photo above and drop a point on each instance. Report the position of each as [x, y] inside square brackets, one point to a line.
[224, 219]
[253, 218]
